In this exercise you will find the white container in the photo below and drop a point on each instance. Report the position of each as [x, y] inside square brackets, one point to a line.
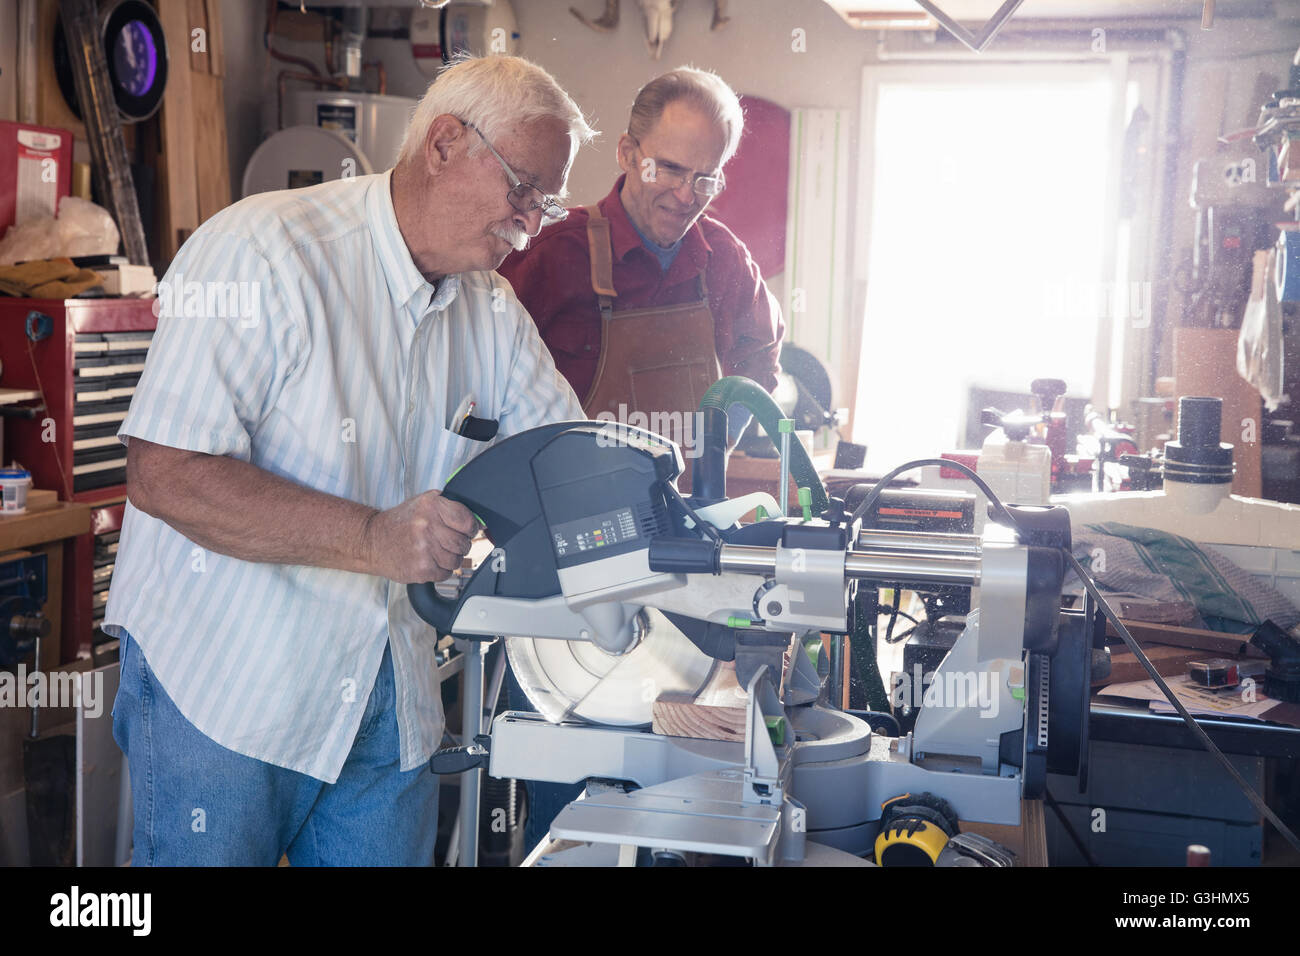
[14, 483]
[1018, 472]
[374, 123]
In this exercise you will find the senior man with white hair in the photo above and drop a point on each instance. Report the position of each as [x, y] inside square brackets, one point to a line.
[278, 693]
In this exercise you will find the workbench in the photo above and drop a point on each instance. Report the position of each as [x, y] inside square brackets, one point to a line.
[48, 527]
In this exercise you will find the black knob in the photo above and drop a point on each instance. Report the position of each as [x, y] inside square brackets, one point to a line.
[1048, 390]
[834, 513]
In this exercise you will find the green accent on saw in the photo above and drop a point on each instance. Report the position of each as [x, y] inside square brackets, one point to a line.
[481, 522]
[736, 389]
[1018, 693]
[739, 622]
[760, 513]
[785, 426]
[813, 648]
[776, 730]
[805, 502]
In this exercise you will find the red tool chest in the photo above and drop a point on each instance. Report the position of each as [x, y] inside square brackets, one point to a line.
[84, 356]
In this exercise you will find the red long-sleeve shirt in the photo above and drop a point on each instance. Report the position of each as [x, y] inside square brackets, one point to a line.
[553, 281]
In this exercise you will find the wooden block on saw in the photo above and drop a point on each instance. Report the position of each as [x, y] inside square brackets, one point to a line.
[716, 713]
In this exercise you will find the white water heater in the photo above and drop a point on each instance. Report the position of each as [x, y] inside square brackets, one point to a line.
[375, 123]
[328, 135]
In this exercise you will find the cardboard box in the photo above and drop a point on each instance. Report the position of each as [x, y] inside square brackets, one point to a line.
[35, 171]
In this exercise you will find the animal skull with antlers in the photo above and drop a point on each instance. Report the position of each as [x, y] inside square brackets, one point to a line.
[658, 20]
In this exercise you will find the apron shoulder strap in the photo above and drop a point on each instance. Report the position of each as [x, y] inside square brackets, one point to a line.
[602, 260]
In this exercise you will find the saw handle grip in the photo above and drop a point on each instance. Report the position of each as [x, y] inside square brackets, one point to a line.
[685, 556]
[453, 760]
[432, 607]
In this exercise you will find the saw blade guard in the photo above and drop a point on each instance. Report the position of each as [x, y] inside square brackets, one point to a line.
[576, 680]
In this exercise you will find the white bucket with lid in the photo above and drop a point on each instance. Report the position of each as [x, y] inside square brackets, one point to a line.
[14, 483]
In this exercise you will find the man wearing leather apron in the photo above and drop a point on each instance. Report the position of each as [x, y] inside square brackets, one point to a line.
[643, 300]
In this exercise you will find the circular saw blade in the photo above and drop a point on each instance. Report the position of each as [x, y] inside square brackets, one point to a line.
[568, 680]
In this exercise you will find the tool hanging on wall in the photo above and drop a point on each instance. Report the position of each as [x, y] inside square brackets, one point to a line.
[658, 16]
[103, 127]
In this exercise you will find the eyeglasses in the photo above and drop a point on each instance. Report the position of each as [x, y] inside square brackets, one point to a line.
[525, 197]
[670, 175]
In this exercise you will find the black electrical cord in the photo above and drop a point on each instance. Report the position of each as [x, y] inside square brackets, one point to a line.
[1255, 799]
[699, 522]
[894, 615]
[901, 636]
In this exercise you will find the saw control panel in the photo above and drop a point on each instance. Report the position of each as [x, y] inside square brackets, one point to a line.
[601, 498]
[599, 531]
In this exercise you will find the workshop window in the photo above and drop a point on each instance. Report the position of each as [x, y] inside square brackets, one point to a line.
[989, 243]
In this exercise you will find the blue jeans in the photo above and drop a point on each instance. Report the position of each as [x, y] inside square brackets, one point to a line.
[200, 804]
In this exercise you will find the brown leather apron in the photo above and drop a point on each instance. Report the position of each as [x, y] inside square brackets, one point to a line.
[654, 360]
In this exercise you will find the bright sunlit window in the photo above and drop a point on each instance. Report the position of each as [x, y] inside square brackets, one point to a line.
[990, 236]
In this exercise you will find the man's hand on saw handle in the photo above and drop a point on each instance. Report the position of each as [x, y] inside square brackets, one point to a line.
[422, 539]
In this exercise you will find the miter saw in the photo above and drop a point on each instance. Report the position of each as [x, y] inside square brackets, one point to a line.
[611, 589]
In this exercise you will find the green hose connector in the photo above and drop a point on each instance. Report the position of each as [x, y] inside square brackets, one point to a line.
[736, 389]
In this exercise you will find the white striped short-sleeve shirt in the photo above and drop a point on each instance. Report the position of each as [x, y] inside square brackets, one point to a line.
[296, 333]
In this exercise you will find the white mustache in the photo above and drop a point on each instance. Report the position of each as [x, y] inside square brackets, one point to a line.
[517, 238]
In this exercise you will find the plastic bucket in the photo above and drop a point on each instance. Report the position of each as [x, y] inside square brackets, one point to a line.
[14, 483]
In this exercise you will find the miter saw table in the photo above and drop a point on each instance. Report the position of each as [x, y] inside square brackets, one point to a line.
[610, 589]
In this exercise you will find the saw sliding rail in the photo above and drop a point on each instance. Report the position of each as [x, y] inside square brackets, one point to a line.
[915, 557]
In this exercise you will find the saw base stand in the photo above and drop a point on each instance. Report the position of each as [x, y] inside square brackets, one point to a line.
[679, 796]
[736, 811]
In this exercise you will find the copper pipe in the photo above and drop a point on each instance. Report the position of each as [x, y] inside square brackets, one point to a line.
[271, 13]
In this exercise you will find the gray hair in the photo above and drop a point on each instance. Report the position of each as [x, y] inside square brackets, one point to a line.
[494, 93]
[703, 89]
